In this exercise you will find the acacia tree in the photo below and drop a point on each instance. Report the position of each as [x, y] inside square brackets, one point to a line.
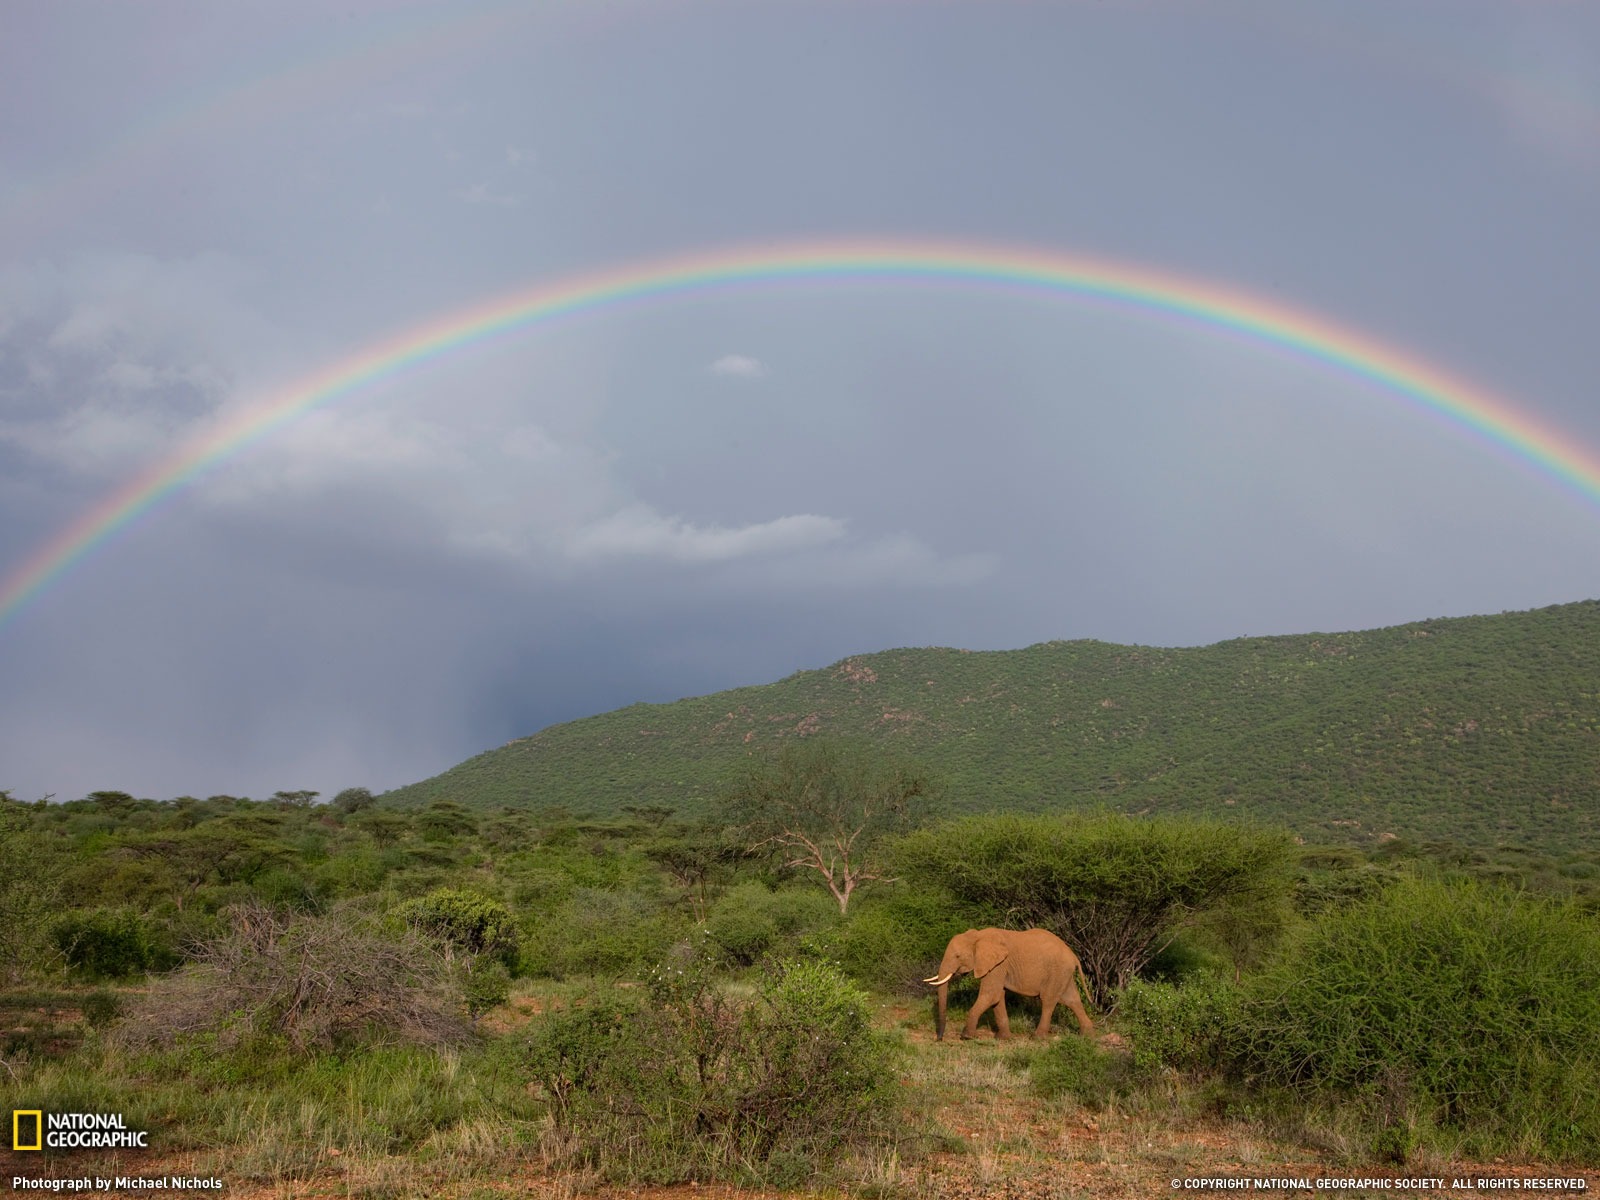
[222, 850]
[479, 929]
[465, 923]
[825, 804]
[354, 799]
[1117, 889]
[695, 858]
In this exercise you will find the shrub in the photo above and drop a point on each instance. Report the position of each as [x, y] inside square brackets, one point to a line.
[101, 1008]
[312, 982]
[750, 921]
[1079, 1068]
[445, 821]
[30, 888]
[279, 887]
[484, 985]
[1448, 1004]
[350, 874]
[697, 1085]
[599, 933]
[111, 944]
[1188, 1027]
[464, 923]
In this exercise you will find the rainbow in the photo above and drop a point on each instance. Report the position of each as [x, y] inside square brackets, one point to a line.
[1021, 270]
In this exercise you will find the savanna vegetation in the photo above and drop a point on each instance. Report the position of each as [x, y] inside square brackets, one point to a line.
[429, 999]
[1483, 730]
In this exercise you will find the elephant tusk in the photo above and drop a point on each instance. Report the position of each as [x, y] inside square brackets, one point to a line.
[939, 980]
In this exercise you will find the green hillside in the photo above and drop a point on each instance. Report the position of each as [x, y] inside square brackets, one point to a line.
[1477, 729]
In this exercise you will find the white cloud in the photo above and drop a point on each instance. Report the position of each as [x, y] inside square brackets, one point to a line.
[94, 440]
[483, 193]
[118, 357]
[739, 366]
[638, 531]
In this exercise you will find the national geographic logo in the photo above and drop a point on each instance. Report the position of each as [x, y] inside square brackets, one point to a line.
[27, 1129]
[34, 1129]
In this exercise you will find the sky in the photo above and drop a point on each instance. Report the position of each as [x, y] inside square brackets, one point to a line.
[204, 206]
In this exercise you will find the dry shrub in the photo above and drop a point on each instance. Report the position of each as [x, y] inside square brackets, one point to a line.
[311, 982]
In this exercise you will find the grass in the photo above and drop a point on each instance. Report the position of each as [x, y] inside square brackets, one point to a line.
[392, 1125]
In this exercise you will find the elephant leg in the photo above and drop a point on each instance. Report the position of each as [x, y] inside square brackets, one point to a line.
[1002, 1019]
[1075, 1003]
[1047, 1009]
[988, 995]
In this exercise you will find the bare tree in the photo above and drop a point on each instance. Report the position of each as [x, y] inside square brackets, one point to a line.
[825, 804]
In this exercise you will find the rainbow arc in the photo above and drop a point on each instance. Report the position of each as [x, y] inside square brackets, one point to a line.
[1140, 290]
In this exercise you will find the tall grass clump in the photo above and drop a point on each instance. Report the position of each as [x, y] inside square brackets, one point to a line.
[697, 1083]
[1081, 1069]
[1441, 1005]
[274, 1115]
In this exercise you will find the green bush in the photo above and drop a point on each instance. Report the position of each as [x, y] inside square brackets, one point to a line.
[599, 933]
[695, 1084]
[1446, 1004]
[464, 923]
[350, 874]
[111, 944]
[750, 921]
[30, 891]
[1079, 1068]
[1188, 1027]
[893, 941]
[282, 888]
[101, 1008]
[1183, 958]
[484, 984]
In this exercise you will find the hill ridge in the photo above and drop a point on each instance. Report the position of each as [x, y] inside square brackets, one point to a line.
[1480, 728]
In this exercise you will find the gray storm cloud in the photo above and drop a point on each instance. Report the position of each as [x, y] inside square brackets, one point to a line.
[695, 491]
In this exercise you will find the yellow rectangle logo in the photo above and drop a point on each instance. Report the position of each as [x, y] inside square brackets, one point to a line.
[20, 1120]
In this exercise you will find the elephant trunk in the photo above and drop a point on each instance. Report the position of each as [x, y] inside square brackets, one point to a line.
[942, 982]
[949, 968]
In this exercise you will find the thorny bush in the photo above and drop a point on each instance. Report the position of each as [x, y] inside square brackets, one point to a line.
[313, 983]
[695, 1083]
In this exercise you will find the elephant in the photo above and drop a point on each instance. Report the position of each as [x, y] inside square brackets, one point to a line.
[1033, 962]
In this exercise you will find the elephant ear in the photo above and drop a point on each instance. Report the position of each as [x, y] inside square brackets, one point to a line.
[991, 953]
